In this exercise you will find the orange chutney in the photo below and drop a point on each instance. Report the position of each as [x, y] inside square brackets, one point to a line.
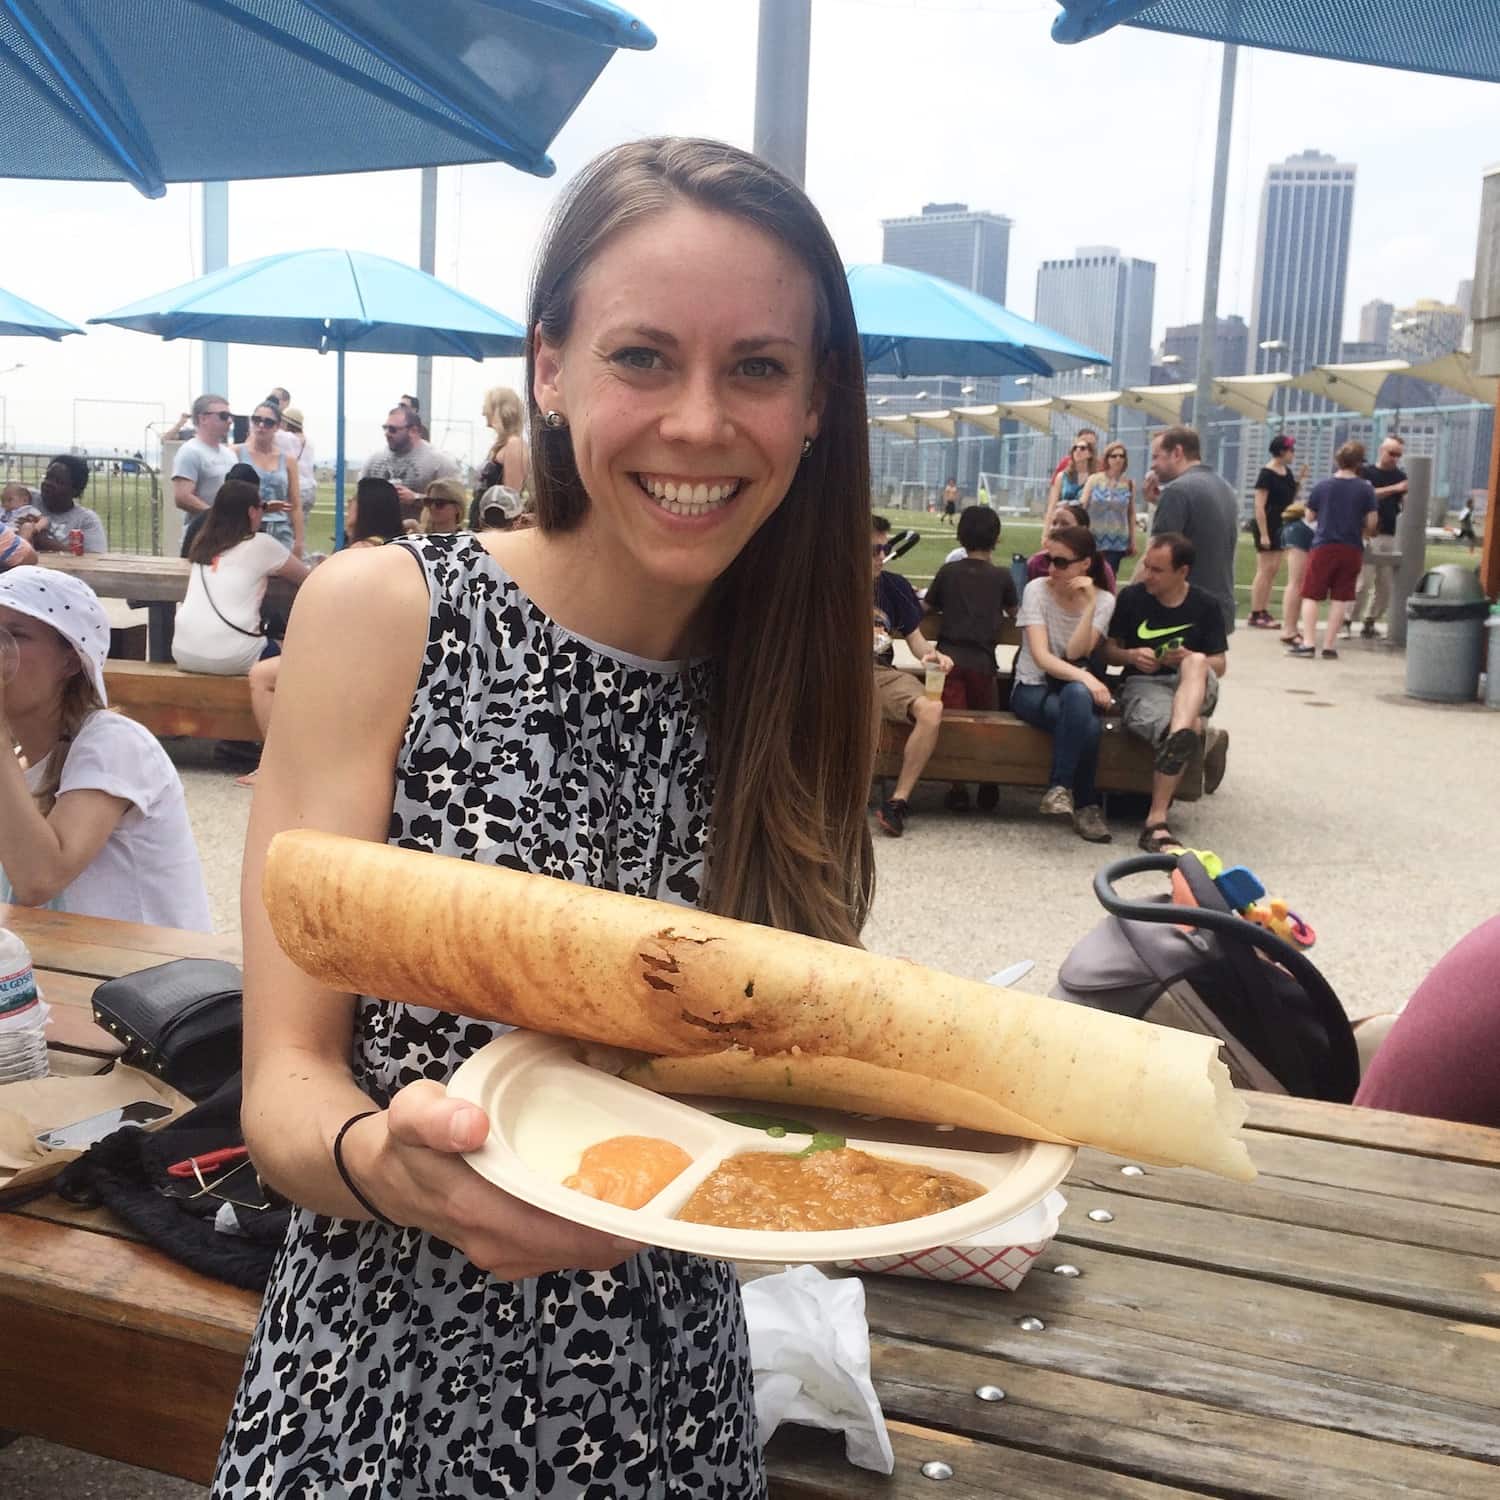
[839, 1189]
[628, 1170]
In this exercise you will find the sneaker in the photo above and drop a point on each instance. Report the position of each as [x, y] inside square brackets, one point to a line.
[1215, 758]
[1329, 654]
[1057, 803]
[1303, 650]
[1088, 823]
[957, 799]
[1368, 633]
[891, 815]
[989, 796]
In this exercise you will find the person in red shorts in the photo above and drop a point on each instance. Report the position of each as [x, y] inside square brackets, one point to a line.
[1440, 1058]
[974, 599]
[1342, 512]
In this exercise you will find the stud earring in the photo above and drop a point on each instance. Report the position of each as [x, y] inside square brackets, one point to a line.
[554, 420]
[807, 446]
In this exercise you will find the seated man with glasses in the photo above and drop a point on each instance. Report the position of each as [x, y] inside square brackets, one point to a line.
[1169, 636]
[902, 697]
[202, 463]
[408, 460]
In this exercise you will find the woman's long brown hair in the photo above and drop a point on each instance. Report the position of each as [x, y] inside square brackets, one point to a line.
[227, 523]
[792, 724]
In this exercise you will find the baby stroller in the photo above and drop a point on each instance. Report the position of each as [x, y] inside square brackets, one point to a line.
[1195, 964]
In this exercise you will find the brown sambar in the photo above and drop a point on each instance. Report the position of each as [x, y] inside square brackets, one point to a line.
[838, 1189]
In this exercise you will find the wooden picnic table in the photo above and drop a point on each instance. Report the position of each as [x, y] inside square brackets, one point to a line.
[1332, 1330]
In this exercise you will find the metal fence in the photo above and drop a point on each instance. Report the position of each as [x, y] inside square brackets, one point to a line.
[1017, 467]
[124, 491]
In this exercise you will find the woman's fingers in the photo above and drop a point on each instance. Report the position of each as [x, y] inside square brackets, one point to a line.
[499, 1233]
[423, 1114]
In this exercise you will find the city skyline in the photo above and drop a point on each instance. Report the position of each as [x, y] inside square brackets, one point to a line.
[1026, 151]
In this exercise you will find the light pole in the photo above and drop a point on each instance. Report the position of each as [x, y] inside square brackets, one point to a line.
[1282, 350]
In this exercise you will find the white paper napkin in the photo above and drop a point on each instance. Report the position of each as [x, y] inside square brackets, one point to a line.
[810, 1346]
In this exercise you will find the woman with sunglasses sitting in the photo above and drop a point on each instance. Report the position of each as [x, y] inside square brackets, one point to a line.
[280, 485]
[1063, 618]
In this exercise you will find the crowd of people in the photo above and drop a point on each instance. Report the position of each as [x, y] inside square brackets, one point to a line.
[1164, 637]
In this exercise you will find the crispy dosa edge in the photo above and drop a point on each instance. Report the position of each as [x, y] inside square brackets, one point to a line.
[854, 1087]
[541, 953]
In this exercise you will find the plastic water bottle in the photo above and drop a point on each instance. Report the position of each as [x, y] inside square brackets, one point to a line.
[23, 1014]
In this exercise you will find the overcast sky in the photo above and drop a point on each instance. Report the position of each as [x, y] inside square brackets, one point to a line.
[912, 101]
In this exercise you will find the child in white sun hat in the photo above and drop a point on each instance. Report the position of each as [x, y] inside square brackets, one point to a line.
[92, 814]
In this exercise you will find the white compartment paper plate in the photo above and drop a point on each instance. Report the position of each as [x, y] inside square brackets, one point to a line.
[546, 1106]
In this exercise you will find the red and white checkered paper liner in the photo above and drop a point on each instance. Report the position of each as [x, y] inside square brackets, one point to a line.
[995, 1265]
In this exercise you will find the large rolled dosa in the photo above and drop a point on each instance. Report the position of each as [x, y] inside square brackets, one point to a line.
[732, 1008]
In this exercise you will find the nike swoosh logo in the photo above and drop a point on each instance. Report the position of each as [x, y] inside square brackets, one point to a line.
[1150, 635]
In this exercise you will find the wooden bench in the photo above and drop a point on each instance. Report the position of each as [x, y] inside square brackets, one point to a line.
[977, 746]
[974, 745]
[169, 701]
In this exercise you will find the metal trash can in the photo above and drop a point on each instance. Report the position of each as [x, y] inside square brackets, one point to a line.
[1492, 672]
[1445, 635]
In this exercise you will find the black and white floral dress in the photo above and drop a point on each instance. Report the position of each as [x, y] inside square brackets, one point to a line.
[384, 1363]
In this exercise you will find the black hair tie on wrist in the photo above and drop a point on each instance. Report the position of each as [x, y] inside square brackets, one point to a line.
[343, 1171]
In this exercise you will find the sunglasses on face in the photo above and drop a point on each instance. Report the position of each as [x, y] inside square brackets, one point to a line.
[225, 413]
[1083, 447]
[1054, 561]
[880, 549]
[264, 421]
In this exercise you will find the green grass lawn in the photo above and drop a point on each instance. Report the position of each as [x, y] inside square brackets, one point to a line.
[1025, 537]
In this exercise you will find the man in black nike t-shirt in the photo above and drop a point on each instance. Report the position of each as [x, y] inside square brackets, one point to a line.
[1169, 636]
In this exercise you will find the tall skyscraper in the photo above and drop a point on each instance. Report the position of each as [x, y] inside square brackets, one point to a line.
[1375, 324]
[970, 248]
[1301, 266]
[1104, 300]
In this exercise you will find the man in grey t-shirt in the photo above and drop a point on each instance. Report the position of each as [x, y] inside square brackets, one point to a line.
[202, 462]
[408, 461]
[1200, 505]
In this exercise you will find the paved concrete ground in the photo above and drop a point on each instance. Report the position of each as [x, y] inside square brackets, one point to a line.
[1376, 816]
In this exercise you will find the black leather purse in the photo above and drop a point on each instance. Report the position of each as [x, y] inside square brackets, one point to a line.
[179, 1021]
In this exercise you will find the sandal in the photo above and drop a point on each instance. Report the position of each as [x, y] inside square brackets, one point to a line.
[1177, 749]
[248, 779]
[1157, 838]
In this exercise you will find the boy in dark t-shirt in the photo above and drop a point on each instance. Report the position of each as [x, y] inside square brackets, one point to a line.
[974, 598]
[1169, 636]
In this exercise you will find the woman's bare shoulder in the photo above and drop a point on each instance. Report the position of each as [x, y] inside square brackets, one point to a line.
[377, 586]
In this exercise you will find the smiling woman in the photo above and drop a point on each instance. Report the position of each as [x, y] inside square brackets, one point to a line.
[662, 689]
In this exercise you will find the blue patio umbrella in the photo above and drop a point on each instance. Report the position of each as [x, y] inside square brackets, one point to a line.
[911, 323]
[339, 300]
[22, 319]
[1454, 37]
[216, 90]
